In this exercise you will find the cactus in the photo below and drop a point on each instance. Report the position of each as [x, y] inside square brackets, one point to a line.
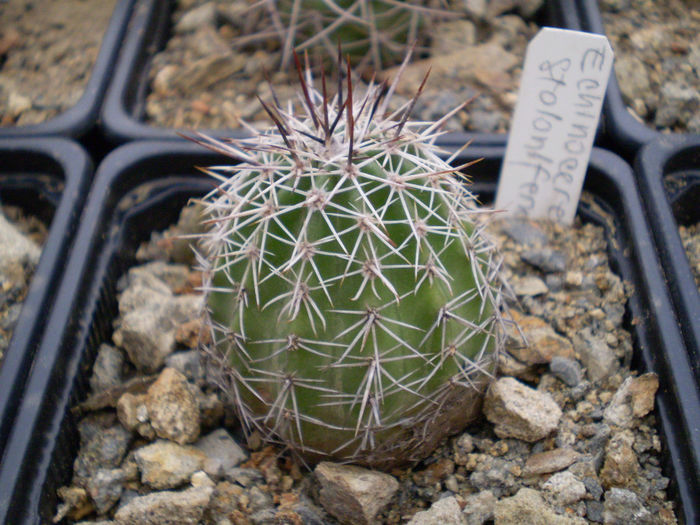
[354, 305]
[376, 32]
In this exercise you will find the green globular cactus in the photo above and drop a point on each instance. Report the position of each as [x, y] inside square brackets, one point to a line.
[354, 305]
[376, 32]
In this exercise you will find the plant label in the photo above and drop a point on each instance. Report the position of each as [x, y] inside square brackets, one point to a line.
[559, 102]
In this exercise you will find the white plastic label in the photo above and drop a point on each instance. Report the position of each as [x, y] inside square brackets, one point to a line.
[559, 102]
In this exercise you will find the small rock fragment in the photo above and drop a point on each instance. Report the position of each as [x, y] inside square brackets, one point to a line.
[519, 411]
[172, 407]
[633, 399]
[624, 506]
[550, 461]
[529, 286]
[166, 465]
[527, 506]
[546, 259]
[567, 370]
[620, 468]
[543, 343]
[445, 511]
[105, 488]
[354, 494]
[107, 370]
[565, 488]
[166, 507]
[479, 507]
[221, 447]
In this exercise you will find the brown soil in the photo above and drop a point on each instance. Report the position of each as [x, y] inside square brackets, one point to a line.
[47, 50]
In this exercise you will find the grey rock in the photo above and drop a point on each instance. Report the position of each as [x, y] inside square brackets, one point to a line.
[565, 488]
[246, 477]
[494, 474]
[107, 370]
[593, 487]
[353, 494]
[172, 407]
[528, 506]
[166, 465]
[145, 338]
[105, 488]
[263, 517]
[475, 8]
[676, 100]
[479, 507]
[259, 500]
[484, 121]
[453, 35]
[546, 259]
[624, 506]
[166, 508]
[445, 511]
[529, 286]
[594, 511]
[519, 411]
[524, 232]
[567, 370]
[104, 450]
[596, 356]
[188, 363]
[175, 276]
[18, 253]
[197, 17]
[221, 447]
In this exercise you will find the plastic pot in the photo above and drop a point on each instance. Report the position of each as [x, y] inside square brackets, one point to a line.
[80, 119]
[669, 176]
[624, 134]
[48, 179]
[141, 187]
[123, 114]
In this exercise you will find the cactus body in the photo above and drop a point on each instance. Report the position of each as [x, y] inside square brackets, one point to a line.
[354, 306]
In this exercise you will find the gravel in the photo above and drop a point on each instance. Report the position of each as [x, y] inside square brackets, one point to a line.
[657, 60]
[21, 237]
[690, 236]
[47, 43]
[202, 79]
[598, 461]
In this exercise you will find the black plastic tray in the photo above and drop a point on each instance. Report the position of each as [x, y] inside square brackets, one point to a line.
[47, 178]
[623, 133]
[79, 120]
[669, 176]
[123, 112]
[146, 183]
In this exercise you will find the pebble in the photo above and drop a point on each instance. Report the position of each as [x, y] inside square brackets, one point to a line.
[565, 488]
[445, 511]
[624, 506]
[104, 449]
[543, 343]
[633, 399]
[188, 363]
[566, 369]
[529, 286]
[18, 254]
[550, 461]
[545, 259]
[528, 506]
[107, 370]
[172, 408]
[166, 507]
[621, 467]
[167, 465]
[105, 488]
[596, 356]
[519, 411]
[353, 495]
[479, 507]
[221, 447]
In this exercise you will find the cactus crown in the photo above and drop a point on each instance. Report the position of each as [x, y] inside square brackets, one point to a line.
[354, 305]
